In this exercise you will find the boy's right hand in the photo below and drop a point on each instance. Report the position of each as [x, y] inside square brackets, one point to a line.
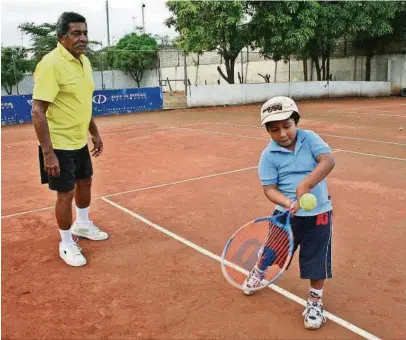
[294, 207]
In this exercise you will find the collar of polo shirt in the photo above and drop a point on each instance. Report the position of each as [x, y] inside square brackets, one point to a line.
[66, 54]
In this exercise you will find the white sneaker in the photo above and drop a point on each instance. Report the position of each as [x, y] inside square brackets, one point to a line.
[313, 315]
[88, 230]
[71, 254]
[252, 281]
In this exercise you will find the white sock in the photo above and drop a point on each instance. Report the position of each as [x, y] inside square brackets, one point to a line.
[66, 236]
[82, 215]
[315, 294]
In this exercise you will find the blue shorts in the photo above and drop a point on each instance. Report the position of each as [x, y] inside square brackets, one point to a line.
[313, 234]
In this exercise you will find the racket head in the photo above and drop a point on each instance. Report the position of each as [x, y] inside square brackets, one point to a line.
[243, 250]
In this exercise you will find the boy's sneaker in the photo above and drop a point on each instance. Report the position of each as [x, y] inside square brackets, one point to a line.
[88, 230]
[253, 281]
[313, 315]
[71, 254]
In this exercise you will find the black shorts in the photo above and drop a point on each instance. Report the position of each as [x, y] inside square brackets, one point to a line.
[73, 164]
[313, 235]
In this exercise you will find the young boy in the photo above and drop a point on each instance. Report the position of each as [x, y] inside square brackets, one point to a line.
[294, 163]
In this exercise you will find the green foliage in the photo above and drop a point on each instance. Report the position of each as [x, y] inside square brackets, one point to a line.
[43, 38]
[376, 24]
[211, 25]
[134, 53]
[95, 57]
[14, 65]
[332, 23]
[282, 28]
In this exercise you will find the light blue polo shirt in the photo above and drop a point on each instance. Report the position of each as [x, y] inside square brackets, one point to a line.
[287, 169]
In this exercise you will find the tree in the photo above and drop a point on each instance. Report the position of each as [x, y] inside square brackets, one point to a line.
[43, 38]
[209, 26]
[14, 65]
[95, 57]
[376, 24]
[134, 53]
[282, 28]
[163, 40]
[332, 24]
[339, 19]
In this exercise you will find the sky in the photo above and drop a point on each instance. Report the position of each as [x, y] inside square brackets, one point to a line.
[124, 15]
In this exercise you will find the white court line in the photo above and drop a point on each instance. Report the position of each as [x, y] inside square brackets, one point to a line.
[371, 155]
[142, 189]
[363, 139]
[179, 182]
[366, 107]
[220, 133]
[351, 327]
[366, 114]
[130, 131]
[341, 150]
[377, 110]
[168, 127]
[321, 134]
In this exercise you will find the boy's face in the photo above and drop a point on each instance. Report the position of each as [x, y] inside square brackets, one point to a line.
[283, 132]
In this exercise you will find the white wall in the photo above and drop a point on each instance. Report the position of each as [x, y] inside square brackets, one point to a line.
[215, 95]
[383, 67]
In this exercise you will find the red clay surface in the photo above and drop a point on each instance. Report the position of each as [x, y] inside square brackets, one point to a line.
[143, 284]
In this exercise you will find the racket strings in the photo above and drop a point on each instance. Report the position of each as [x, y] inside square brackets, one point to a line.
[275, 249]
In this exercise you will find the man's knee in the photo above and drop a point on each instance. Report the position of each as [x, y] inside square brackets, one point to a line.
[65, 197]
[85, 182]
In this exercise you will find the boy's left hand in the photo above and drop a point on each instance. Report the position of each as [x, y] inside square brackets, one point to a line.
[302, 188]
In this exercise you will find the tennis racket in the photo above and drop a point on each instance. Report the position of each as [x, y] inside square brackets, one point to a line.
[262, 247]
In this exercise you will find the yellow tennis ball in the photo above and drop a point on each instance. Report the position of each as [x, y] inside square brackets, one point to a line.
[308, 202]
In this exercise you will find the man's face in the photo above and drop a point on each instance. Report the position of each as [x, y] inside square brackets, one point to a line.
[75, 41]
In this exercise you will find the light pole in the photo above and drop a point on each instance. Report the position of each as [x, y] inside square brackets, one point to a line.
[108, 23]
[143, 21]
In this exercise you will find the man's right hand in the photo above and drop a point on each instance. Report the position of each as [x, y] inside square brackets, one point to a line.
[51, 164]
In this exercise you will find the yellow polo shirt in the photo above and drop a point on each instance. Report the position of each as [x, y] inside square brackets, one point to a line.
[67, 83]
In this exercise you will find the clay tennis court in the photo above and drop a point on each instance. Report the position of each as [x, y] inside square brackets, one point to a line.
[170, 189]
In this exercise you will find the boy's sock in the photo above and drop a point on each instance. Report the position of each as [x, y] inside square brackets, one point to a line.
[315, 295]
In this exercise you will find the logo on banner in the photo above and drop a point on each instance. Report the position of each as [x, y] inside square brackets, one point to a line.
[29, 102]
[99, 99]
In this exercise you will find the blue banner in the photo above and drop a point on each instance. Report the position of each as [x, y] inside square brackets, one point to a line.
[17, 109]
[127, 101]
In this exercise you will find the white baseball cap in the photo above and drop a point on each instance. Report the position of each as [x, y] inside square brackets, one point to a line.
[278, 108]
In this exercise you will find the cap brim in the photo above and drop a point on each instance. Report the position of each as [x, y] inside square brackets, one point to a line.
[276, 117]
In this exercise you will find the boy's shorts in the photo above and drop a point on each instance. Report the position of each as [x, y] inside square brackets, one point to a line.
[313, 235]
[73, 165]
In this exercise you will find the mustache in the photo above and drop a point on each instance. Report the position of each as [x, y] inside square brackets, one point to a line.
[81, 44]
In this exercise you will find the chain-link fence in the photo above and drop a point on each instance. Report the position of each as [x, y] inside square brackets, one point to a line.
[174, 71]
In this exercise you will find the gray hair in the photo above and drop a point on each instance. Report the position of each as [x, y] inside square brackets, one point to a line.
[62, 26]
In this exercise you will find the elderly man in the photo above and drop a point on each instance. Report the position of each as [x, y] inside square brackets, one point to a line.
[62, 117]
